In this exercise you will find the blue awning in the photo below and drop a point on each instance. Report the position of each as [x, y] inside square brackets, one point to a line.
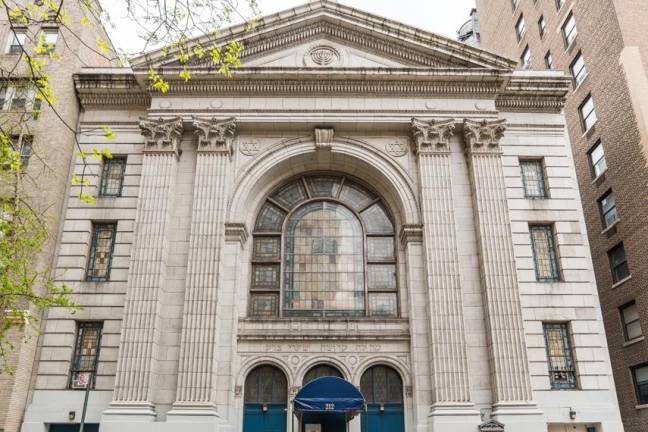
[329, 395]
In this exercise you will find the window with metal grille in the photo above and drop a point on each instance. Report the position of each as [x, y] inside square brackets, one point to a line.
[578, 69]
[640, 375]
[112, 176]
[631, 322]
[86, 355]
[618, 263]
[562, 370]
[587, 113]
[569, 30]
[597, 159]
[101, 250]
[533, 178]
[544, 253]
[607, 206]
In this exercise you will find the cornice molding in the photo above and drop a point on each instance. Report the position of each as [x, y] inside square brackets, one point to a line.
[215, 135]
[483, 137]
[432, 136]
[162, 135]
[411, 234]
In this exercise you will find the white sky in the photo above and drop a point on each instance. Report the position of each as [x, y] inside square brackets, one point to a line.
[439, 16]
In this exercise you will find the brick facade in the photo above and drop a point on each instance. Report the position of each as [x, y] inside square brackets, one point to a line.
[613, 42]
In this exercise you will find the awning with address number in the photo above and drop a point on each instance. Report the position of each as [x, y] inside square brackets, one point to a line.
[329, 395]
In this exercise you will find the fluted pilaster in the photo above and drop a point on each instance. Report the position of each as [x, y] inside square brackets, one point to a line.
[197, 367]
[509, 365]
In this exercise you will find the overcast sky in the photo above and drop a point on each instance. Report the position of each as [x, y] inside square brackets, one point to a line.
[439, 16]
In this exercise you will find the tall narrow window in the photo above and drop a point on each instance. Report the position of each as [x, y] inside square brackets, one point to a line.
[562, 370]
[86, 355]
[578, 69]
[597, 159]
[549, 62]
[101, 250]
[542, 25]
[587, 113]
[533, 178]
[520, 27]
[607, 206]
[631, 322]
[640, 375]
[569, 30]
[618, 263]
[525, 58]
[112, 176]
[544, 253]
[16, 41]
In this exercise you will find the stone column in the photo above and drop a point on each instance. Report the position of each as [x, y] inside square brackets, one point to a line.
[452, 406]
[512, 394]
[197, 367]
[140, 327]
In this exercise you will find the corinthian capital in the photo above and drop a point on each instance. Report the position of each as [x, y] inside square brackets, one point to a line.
[483, 136]
[215, 135]
[161, 135]
[432, 136]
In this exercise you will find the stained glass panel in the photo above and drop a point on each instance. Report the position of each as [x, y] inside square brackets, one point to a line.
[383, 305]
[264, 305]
[266, 385]
[85, 354]
[323, 262]
[291, 194]
[265, 276]
[355, 196]
[323, 186]
[562, 372]
[376, 220]
[270, 219]
[101, 251]
[380, 248]
[267, 248]
[381, 277]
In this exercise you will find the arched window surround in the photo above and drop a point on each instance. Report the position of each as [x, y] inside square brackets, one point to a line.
[267, 298]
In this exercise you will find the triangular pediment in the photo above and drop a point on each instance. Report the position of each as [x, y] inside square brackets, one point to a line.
[327, 34]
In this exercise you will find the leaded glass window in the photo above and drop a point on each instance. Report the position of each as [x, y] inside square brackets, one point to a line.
[562, 370]
[382, 385]
[533, 178]
[323, 247]
[320, 371]
[112, 176]
[86, 354]
[101, 250]
[544, 253]
[266, 385]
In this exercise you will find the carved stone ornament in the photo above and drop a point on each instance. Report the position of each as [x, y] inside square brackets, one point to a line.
[161, 135]
[483, 136]
[215, 135]
[324, 138]
[249, 147]
[491, 426]
[322, 55]
[411, 234]
[396, 148]
[236, 232]
[432, 136]
[238, 391]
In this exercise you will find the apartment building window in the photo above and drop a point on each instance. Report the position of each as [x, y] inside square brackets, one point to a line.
[525, 58]
[49, 38]
[544, 253]
[562, 370]
[533, 178]
[597, 159]
[19, 98]
[515, 4]
[631, 323]
[23, 145]
[101, 250]
[520, 27]
[569, 30]
[549, 62]
[86, 355]
[112, 176]
[607, 206]
[587, 113]
[16, 41]
[578, 69]
[640, 375]
[618, 263]
[542, 25]
[559, 4]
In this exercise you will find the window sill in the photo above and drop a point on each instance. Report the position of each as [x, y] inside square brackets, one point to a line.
[599, 177]
[641, 407]
[580, 84]
[610, 227]
[634, 341]
[589, 132]
[621, 282]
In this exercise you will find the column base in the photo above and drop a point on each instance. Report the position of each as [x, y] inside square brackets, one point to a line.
[193, 413]
[519, 417]
[457, 417]
[127, 416]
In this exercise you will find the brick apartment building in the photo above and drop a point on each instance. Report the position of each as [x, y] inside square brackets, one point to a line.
[47, 147]
[603, 45]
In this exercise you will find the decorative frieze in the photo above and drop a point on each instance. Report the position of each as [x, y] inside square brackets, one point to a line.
[432, 135]
[161, 135]
[324, 138]
[491, 426]
[215, 135]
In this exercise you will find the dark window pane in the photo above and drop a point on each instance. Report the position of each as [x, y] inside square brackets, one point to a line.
[266, 385]
[608, 209]
[641, 381]
[267, 248]
[380, 248]
[383, 305]
[323, 186]
[376, 219]
[544, 253]
[264, 305]
[291, 195]
[381, 277]
[533, 178]
[101, 250]
[562, 371]
[631, 321]
[270, 219]
[320, 371]
[618, 263]
[394, 387]
[355, 196]
[381, 384]
[86, 353]
[265, 276]
[112, 177]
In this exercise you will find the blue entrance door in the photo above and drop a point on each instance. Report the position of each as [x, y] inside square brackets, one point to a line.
[266, 400]
[382, 388]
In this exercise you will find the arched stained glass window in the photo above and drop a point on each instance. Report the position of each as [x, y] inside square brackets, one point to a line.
[266, 385]
[323, 247]
[319, 371]
[381, 385]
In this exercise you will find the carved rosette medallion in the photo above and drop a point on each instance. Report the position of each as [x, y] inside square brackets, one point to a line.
[432, 136]
[161, 135]
[249, 147]
[483, 136]
[215, 135]
[322, 55]
[396, 148]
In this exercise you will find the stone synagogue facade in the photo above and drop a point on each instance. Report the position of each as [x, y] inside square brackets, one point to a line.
[361, 199]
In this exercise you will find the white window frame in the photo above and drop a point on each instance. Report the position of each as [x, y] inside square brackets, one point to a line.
[525, 58]
[17, 38]
[595, 163]
[579, 74]
[569, 35]
[588, 118]
[520, 27]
